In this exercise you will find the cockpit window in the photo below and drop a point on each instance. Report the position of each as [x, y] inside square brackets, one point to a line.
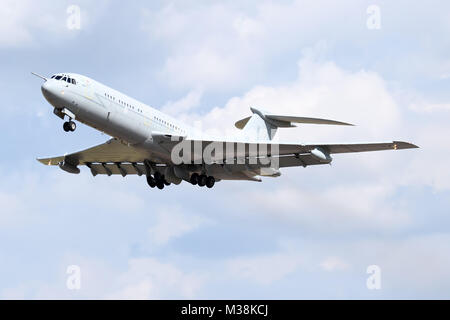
[65, 78]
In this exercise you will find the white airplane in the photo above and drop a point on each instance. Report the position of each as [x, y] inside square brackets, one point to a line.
[150, 143]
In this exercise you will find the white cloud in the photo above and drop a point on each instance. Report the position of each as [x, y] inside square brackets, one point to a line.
[24, 195]
[426, 107]
[148, 278]
[13, 16]
[142, 278]
[429, 167]
[185, 104]
[264, 269]
[23, 23]
[322, 89]
[172, 223]
[334, 264]
[337, 207]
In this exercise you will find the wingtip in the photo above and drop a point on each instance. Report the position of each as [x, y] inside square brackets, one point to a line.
[340, 123]
[46, 161]
[41, 161]
[398, 145]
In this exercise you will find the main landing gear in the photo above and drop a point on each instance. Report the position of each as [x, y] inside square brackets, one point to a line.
[157, 180]
[202, 180]
[69, 126]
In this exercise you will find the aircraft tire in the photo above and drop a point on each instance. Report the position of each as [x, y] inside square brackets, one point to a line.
[210, 181]
[151, 182]
[158, 176]
[160, 185]
[194, 178]
[202, 180]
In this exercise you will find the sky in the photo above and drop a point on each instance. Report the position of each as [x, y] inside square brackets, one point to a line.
[311, 233]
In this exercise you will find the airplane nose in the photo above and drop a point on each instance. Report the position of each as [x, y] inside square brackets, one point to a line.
[45, 88]
[48, 90]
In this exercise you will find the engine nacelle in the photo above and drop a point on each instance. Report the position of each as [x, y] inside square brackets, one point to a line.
[321, 155]
[68, 167]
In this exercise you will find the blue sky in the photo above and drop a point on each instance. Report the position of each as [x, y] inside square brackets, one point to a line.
[311, 233]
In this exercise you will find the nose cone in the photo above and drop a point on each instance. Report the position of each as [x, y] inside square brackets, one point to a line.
[49, 91]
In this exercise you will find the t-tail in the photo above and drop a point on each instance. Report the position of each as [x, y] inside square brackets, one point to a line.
[262, 126]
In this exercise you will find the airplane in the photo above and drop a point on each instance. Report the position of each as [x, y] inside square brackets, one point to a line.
[149, 143]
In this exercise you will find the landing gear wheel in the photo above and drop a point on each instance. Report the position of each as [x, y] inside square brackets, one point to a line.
[166, 183]
[202, 180]
[194, 178]
[69, 126]
[210, 182]
[72, 126]
[160, 185]
[158, 176]
[151, 182]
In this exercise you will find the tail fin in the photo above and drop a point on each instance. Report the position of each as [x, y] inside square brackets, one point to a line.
[263, 126]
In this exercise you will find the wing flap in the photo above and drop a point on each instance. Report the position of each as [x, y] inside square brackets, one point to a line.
[298, 160]
[365, 147]
[112, 169]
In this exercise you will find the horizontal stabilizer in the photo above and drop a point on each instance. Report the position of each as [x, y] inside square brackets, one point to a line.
[280, 121]
[307, 120]
[241, 123]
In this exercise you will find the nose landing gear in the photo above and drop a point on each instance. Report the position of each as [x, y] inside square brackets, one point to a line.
[69, 126]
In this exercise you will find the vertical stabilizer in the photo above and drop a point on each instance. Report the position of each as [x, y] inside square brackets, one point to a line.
[257, 128]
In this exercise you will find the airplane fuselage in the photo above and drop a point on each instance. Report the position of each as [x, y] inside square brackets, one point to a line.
[111, 111]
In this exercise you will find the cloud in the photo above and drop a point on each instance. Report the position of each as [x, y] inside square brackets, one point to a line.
[334, 264]
[142, 278]
[148, 278]
[336, 207]
[25, 23]
[264, 269]
[185, 104]
[426, 107]
[54, 190]
[172, 223]
[321, 89]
